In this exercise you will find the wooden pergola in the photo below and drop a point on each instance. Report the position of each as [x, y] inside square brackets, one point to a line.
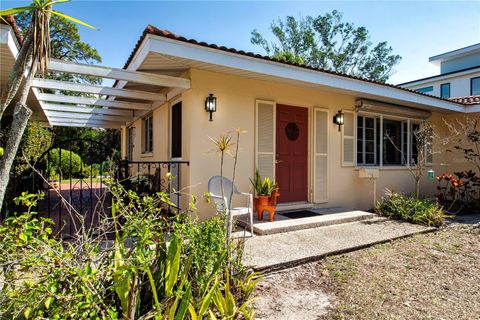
[104, 106]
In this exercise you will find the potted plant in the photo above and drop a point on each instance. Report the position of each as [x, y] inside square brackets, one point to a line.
[265, 189]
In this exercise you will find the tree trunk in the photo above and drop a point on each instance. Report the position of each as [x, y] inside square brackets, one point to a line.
[16, 75]
[417, 187]
[20, 121]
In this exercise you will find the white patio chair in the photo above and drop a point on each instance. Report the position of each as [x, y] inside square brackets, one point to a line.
[215, 185]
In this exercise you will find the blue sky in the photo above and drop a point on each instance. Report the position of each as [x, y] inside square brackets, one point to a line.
[415, 30]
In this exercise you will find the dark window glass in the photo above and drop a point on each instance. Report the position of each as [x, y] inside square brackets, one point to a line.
[392, 143]
[130, 142]
[425, 89]
[445, 90]
[148, 134]
[475, 86]
[177, 130]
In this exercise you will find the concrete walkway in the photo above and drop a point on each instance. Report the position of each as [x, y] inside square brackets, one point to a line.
[283, 250]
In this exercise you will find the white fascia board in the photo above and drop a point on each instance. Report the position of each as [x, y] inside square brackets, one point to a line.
[7, 36]
[137, 60]
[455, 54]
[218, 57]
[473, 108]
[440, 77]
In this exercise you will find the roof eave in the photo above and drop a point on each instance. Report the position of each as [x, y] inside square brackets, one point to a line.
[201, 53]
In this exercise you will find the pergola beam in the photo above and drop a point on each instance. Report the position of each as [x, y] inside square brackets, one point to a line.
[93, 89]
[59, 121]
[85, 116]
[85, 124]
[79, 109]
[119, 74]
[92, 101]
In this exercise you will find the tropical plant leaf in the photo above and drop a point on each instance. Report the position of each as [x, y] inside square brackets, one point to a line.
[172, 266]
[182, 309]
[12, 11]
[191, 310]
[72, 19]
[207, 299]
[51, 3]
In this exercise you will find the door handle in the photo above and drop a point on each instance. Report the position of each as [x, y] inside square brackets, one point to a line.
[278, 161]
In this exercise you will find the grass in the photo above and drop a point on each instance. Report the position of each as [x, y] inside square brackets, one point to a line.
[428, 276]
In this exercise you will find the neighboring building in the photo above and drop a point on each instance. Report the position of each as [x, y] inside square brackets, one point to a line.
[459, 75]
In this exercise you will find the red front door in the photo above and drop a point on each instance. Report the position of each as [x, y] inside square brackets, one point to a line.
[291, 153]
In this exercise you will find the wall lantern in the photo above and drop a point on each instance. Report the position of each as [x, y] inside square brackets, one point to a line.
[339, 119]
[211, 104]
[431, 174]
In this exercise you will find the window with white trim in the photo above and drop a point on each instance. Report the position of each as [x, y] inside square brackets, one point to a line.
[384, 141]
[147, 136]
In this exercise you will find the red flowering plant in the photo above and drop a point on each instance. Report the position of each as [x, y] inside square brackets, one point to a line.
[459, 190]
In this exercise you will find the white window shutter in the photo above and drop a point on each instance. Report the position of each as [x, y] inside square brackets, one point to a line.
[320, 161]
[265, 138]
[348, 139]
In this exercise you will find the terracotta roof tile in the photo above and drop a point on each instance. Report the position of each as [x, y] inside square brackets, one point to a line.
[468, 100]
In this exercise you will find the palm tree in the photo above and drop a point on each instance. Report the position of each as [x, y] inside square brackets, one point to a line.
[32, 59]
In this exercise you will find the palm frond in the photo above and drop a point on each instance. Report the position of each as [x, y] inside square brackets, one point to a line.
[51, 3]
[12, 11]
[71, 19]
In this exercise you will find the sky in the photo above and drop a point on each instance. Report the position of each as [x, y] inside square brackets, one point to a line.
[415, 30]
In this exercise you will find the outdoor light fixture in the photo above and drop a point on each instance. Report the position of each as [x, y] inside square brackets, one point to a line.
[211, 104]
[339, 120]
[431, 174]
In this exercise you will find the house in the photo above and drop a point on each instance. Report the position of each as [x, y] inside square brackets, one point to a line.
[286, 110]
[459, 74]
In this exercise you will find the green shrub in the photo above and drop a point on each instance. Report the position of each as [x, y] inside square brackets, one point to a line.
[410, 209]
[156, 268]
[66, 163]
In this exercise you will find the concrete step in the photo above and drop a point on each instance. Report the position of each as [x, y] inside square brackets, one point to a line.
[279, 251]
[284, 224]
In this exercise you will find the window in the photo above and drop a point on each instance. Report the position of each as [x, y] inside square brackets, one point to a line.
[385, 142]
[475, 86]
[130, 142]
[176, 134]
[366, 141]
[147, 124]
[414, 146]
[393, 147]
[445, 90]
[425, 89]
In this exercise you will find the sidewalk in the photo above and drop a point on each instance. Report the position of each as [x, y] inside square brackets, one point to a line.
[283, 250]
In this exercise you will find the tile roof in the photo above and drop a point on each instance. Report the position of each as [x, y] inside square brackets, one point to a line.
[468, 100]
[11, 22]
[170, 35]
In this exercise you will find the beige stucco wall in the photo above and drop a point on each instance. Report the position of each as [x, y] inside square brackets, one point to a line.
[236, 97]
